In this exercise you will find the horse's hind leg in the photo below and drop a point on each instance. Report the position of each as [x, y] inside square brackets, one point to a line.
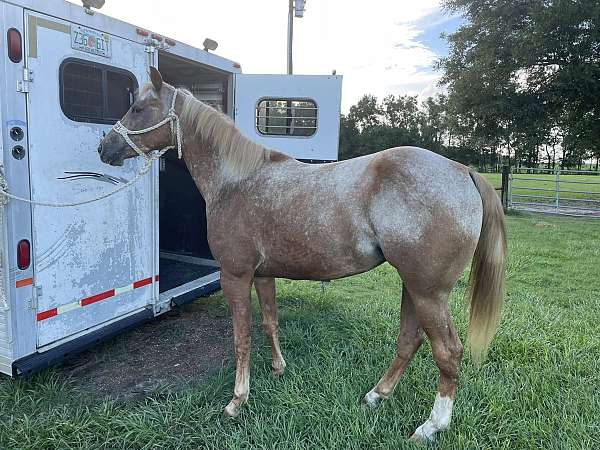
[434, 317]
[265, 288]
[409, 341]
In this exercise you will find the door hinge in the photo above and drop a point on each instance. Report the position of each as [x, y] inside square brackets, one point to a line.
[23, 85]
[33, 302]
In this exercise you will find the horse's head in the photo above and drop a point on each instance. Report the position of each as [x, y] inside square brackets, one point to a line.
[154, 106]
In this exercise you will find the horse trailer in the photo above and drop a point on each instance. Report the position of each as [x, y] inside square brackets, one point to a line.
[73, 275]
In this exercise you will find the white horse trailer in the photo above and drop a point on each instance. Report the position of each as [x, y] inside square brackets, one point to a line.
[72, 276]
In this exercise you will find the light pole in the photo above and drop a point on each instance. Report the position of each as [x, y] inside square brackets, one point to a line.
[296, 8]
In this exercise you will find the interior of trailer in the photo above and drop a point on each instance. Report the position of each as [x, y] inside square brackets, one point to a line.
[184, 253]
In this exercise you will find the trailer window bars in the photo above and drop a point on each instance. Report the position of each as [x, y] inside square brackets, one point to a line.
[286, 117]
[95, 93]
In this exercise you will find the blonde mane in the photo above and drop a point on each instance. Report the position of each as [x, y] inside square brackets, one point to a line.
[238, 155]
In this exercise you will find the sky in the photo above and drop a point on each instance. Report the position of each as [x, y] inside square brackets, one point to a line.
[381, 47]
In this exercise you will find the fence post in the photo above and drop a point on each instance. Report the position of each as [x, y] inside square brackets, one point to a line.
[504, 193]
[557, 205]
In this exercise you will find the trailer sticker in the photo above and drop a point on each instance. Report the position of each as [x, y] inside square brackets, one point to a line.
[33, 24]
[23, 283]
[94, 298]
[90, 41]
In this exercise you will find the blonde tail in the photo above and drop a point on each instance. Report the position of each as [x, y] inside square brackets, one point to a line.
[487, 272]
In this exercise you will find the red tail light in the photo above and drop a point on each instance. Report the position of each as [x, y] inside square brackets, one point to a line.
[15, 45]
[23, 254]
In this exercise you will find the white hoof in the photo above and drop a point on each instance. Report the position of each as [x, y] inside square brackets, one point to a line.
[232, 410]
[372, 399]
[425, 433]
[278, 368]
[439, 420]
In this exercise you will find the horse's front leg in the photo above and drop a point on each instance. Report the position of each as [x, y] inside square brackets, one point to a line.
[237, 291]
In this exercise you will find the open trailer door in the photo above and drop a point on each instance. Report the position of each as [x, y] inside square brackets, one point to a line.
[92, 263]
[296, 114]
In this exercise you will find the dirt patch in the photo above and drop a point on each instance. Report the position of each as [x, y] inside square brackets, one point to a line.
[186, 345]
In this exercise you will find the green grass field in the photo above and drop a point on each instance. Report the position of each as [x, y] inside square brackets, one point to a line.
[538, 389]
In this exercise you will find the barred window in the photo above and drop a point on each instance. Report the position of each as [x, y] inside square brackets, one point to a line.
[95, 93]
[286, 117]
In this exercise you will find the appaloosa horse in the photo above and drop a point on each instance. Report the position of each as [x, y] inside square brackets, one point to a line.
[272, 216]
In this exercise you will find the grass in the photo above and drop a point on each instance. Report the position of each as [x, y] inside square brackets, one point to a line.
[538, 389]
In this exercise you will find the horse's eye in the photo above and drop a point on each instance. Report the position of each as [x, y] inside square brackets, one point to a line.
[136, 109]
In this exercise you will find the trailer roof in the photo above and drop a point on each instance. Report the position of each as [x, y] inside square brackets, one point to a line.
[71, 12]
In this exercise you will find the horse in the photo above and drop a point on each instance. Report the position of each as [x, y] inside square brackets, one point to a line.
[270, 216]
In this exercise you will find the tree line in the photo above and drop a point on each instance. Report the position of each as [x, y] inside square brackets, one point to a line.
[521, 85]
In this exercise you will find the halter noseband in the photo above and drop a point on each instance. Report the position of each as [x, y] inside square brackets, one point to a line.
[172, 118]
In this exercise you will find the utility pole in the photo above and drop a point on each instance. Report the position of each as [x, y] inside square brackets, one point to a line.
[295, 8]
[290, 69]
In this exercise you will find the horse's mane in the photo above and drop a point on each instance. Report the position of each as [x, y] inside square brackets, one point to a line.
[238, 155]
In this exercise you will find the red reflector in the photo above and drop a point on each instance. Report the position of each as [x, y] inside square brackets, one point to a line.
[23, 254]
[144, 282]
[15, 45]
[237, 65]
[170, 41]
[158, 37]
[142, 32]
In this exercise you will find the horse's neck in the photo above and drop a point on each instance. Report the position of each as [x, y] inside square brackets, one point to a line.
[204, 167]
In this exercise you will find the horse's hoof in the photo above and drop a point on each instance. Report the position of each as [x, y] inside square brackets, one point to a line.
[422, 435]
[232, 410]
[372, 399]
[278, 371]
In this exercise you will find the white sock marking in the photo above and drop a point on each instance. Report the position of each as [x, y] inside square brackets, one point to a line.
[439, 419]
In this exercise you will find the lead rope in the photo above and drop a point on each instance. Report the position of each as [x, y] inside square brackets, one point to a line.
[124, 132]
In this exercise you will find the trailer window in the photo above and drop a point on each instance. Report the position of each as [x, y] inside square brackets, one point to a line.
[95, 93]
[286, 117]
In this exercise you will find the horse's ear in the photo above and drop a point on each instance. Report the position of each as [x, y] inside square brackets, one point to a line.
[156, 78]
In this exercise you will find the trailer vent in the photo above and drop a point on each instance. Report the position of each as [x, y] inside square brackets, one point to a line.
[15, 45]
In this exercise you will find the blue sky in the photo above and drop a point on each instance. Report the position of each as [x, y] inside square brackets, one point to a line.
[432, 26]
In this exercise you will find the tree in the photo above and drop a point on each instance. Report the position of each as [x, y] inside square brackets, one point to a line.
[366, 113]
[520, 68]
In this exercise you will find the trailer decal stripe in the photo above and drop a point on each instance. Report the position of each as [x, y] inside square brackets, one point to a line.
[47, 314]
[97, 298]
[23, 283]
[93, 299]
[144, 282]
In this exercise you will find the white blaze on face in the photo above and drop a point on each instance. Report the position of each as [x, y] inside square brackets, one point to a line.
[439, 419]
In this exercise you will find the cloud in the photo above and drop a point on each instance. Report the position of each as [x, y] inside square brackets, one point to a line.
[380, 47]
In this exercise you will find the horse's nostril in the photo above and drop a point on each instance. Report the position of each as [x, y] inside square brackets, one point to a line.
[100, 149]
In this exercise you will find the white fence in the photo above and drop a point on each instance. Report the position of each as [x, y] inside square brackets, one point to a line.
[554, 191]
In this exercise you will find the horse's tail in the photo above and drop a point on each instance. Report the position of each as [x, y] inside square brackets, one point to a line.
[487, 272]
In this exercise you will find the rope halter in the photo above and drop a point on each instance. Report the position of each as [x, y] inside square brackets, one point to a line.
[172, 118]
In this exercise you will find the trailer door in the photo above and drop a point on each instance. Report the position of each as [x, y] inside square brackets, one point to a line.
[296, 114]
[93, 263]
